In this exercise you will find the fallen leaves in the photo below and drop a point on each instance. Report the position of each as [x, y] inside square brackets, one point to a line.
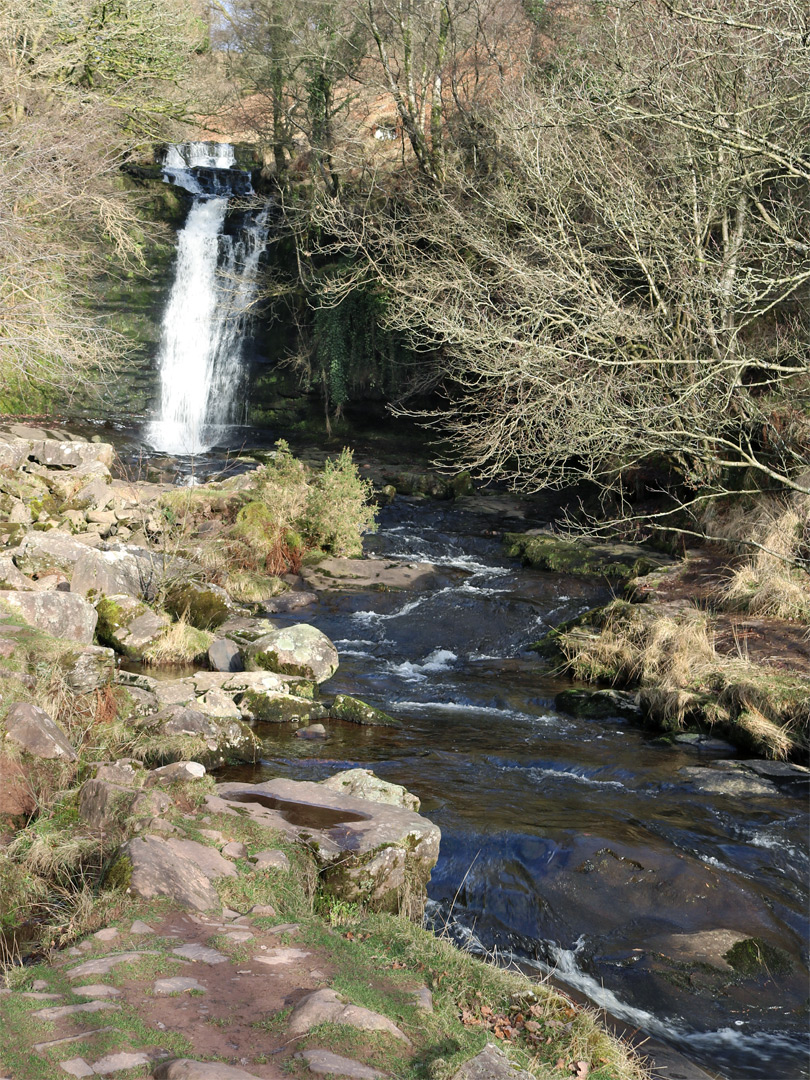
[529, 1024]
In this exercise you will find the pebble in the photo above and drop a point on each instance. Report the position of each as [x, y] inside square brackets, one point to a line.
[235, 850]
[238, 936]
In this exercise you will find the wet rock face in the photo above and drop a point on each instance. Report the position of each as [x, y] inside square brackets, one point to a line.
[375, 853]
[295, 650]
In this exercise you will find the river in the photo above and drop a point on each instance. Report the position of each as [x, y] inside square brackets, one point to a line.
[569, 845]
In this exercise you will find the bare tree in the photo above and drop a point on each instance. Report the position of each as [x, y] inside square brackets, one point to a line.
[630, 283]
[80, 82]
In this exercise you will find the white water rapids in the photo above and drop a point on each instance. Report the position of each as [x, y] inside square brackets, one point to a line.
[215, 284]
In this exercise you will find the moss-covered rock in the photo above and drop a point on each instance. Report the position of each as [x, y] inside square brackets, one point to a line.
[204, 606]
[295, 650]
[546, 551]
[273, 708]
[128, 625]
[356, 711]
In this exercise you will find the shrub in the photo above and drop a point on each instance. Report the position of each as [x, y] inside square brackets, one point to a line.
[338, 508]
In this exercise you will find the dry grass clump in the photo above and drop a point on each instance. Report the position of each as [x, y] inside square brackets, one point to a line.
[636, 644]
[774, 580]
[181, 643]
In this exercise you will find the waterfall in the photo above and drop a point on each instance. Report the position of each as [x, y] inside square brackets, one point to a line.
[205, 321]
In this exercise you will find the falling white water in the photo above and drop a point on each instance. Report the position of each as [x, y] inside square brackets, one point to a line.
[200, 359]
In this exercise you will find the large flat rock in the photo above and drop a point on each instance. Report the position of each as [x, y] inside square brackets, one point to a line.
[336, 574]
[371, 852]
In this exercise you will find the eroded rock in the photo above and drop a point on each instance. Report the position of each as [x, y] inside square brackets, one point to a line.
[30, 728]
[60, 614]
[296, 650]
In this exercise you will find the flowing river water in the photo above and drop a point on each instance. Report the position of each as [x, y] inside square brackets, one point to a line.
[570, 845]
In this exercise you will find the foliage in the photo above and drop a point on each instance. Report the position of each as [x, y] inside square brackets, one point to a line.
[339, 507]
[81, 81]
[617, 275]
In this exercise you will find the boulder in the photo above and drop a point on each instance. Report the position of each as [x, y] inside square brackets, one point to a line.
[30, 728]
[128, 625]
[327, 1007]
[373, 853]
[216, 703]
[127, 568]
[201, 604]
[314, 731]
[279, 708]
[89, 669]
[10, 576]
[67, 483]
[60, 614]
[40, 551]
[355, 711]
[149, 867]
[104, 804]
[13, 451]
[63, 454]
[224, 655]
[363, 784]
[177, 771]
[325, 1063]
[300, 649]
[271, 859]
[207, 859]
[218, 740]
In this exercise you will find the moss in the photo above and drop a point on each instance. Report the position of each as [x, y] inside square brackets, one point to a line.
[202, 607]
[357, 712]
[281, 708]
[110, 619]
[580, 557]
[756, 957]
[119, 874]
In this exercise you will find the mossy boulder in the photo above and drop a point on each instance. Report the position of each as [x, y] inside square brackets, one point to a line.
[204, 606]
[546, 551]
[295, 650]
[598, 704]
[274, 708]
[128, 625]
[356, 711]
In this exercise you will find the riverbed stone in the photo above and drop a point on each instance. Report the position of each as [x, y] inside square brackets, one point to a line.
[66, 484]
[301, 649]
[32, 730]
[279, 707]
[326, 1006]
[355, 711]
[732, 782]
[363, 784]
[150, 867]
[314, 731]
[340, 574]
[60, 614]
[225, 738]
[224, 655]
[547, 551]
[372, 853]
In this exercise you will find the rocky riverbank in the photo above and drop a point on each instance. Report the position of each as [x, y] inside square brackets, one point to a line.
[123, 864]
[679, 661]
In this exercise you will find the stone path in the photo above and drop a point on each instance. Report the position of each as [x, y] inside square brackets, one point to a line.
[189, 984]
